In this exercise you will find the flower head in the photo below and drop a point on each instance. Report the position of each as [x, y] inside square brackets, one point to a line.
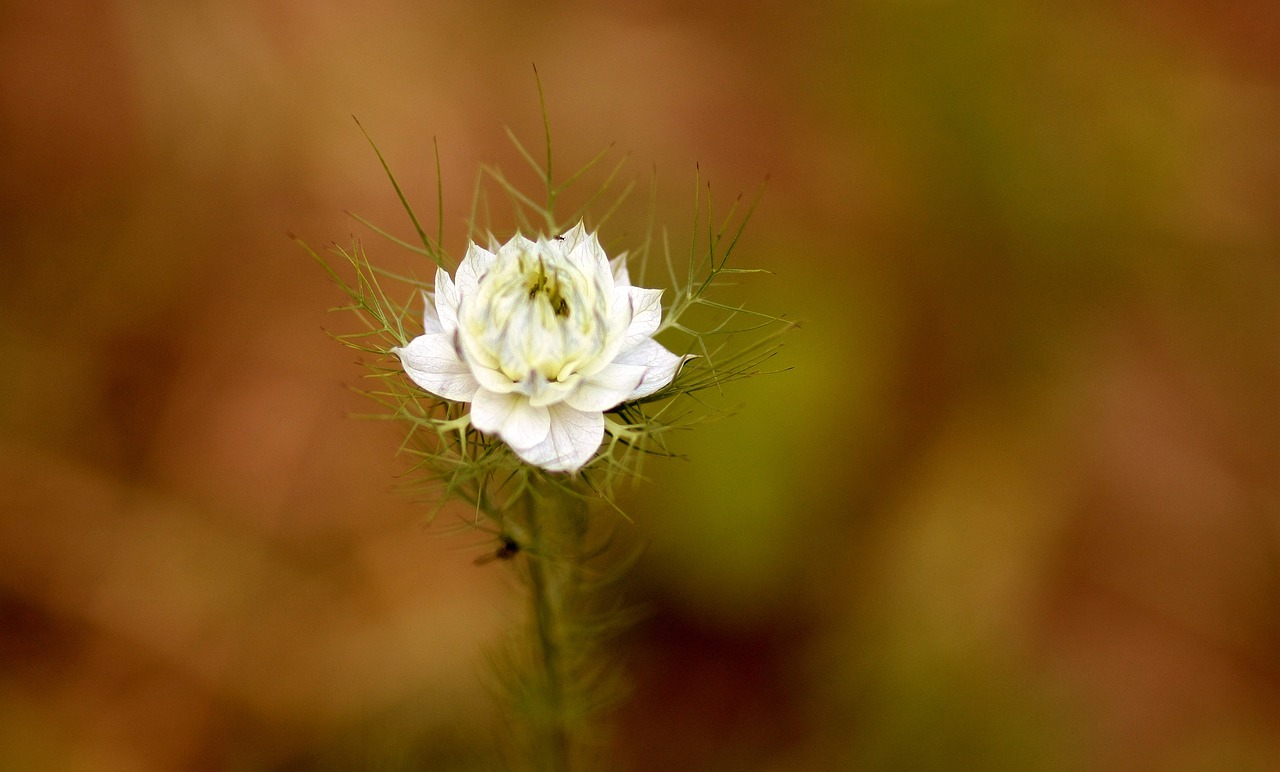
[541, 337]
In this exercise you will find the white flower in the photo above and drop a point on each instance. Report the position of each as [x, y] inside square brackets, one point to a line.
[541, 338]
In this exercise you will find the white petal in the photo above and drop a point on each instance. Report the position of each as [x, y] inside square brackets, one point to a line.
[430, 319]
[493, 380]
[607, 388]
[646, 315]
[433, 363]
[573, 236]
[519, 243]
[615, 336]
[531, 384]
[552, 392]
[511, 417]
[589, 258]
[574, 438]
[447, 299]
[474, 265]
[620, 276]
[661, 366]
[621, 312]
[600, 263]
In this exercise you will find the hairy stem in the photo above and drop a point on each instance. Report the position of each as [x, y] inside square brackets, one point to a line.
[554, 746]
[555, 529]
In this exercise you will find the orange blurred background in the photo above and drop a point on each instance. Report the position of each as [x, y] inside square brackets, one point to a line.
[1014, 507]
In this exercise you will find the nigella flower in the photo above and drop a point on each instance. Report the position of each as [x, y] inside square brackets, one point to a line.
[541, 338]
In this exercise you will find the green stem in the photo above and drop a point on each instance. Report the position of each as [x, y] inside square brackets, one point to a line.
[546, 623]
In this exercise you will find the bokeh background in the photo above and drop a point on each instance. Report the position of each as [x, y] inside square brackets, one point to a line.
[1015, 505]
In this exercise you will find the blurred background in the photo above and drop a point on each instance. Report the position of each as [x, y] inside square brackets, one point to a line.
[1015, 505]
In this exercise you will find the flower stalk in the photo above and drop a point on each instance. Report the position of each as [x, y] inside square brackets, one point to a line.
[552, 583]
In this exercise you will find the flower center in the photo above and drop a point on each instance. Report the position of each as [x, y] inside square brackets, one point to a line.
[547, 287]
[535, 317]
